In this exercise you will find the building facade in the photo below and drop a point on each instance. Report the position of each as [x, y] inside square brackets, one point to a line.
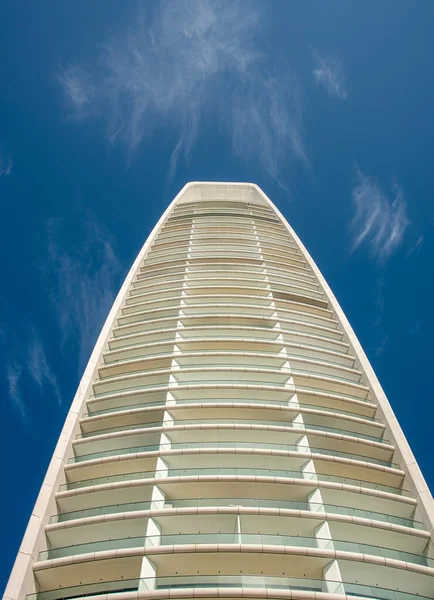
[229, 437]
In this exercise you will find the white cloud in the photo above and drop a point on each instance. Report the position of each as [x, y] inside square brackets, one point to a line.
[5, 165]
[188, 66]
[78, 87]
[85, 282]
[381, 345]
[39, 368]
[13, 376]
[25, 362]
[380, 221]
[329, 73]
[417, 245]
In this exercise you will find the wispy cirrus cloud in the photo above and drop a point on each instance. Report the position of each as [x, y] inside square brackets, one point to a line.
[381, 344]
[380, 337]
[329, 73]
[188, 66]
[380, 220]
[5, 165]
[25, 364]
[13, 376]
[83, 282]
[417, 245]
[79, 89]
[39, 368]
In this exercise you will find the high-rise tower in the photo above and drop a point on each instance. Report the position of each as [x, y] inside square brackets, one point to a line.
[229, 437]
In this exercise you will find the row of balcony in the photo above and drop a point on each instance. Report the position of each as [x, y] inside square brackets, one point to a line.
[233, 445]
[309, 430]
[240, 433]
[177, 360]
[224, 225]
[227, 585]
[327, 509]
[269, 349]
[255, 402]
[261, 465]
[290, 382]
[235, 538]
[285, 309]
[230, 268]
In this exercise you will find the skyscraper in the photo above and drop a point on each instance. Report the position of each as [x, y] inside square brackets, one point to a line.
[229, 437]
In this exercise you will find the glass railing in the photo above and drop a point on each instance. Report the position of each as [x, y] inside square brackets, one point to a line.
[102, 510]
[290, 505]
[90, 434]
[230, 364]
[104, 411]
[211, 367]
[340, 380]
[233, 401]
[218, 337]
[337, 411]
[281, 473]
[258, 422]
[302, 318]
[292, 354]
[227, 581]
[268, 327]
[305, 389]
[169, 353]
[361, 457]
[186, 446]
[116, 452]
[275, 369]
[210, 353]
[181, 472]
[408, 557]
[225, 382]
[362, 483]
[263, 401]
[91, 589]
[116, 544]
[369, 514]
[244, 502]
[357, 434]
[230, 444]
[286, 540]
[235, 538]
[179, 384]
[248, 286]
[252, 472]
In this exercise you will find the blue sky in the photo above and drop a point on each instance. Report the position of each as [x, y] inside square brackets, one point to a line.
[108, 108]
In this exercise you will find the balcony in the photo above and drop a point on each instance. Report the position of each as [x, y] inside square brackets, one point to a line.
[237, 583]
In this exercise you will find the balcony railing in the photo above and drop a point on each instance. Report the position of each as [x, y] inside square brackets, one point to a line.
[235, 538]
[235, 502]
[227, 581]
[234, 445]
[252, 472]
[235, 421]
